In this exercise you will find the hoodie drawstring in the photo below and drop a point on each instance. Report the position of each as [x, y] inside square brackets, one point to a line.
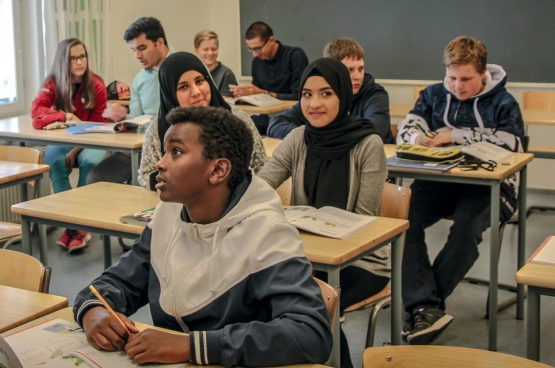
[446, 113]
[478, 117]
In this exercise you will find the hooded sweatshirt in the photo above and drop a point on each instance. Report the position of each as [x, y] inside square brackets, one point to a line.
[492, 116]
[241, 287]
[371, 102]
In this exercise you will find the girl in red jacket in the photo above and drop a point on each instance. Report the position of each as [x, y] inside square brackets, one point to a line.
[70, 92]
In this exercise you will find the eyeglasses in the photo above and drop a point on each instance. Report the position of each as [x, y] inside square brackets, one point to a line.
[470, 166]
[74, 59]
[258, 49]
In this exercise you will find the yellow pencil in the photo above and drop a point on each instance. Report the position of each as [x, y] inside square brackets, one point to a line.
[93, 289]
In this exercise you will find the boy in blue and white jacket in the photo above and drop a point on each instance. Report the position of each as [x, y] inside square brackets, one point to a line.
[471, 105]
[219, 261]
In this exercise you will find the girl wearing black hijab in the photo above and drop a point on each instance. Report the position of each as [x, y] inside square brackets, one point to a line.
[185, 81]
[335, 160]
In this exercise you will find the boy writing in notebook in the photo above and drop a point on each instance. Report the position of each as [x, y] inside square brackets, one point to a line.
[471, 105]
[218, 261]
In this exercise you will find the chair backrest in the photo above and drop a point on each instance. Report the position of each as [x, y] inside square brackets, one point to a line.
[330, 298]
[417, 91]
[539, 100]
[21, 271]
[284, 191]
[418, 356]
[20, 154]
[395, 201]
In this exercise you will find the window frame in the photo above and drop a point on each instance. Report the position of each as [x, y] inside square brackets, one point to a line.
[17, 107]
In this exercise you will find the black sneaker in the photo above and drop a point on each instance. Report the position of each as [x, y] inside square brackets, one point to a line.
[428, 323]
[408, 326]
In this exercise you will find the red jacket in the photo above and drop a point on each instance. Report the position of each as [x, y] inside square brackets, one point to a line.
[43, 112]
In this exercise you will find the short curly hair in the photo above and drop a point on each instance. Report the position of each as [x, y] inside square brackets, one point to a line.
[150, 26]
[223, 135]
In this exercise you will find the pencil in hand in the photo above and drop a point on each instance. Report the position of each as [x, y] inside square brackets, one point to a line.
[93, 289]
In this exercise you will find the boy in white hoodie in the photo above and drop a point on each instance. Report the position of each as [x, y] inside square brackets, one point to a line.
[218, 261]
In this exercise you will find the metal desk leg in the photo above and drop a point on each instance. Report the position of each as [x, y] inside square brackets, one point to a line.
[521, 240]
[493, 265]
[333, 280]
[533, 330]
[135, 167]
[25, 235]
[107, 244]
[43, 240]
[396, 301]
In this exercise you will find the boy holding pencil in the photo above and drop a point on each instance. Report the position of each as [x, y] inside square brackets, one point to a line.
[218, 261]
[471, 105]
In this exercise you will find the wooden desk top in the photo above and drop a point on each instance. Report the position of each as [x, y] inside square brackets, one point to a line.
[10, 171]
[336, 251]
[535, 274]
[270, 144]
[99, 205]
[67, 314]
[516, 162]
[18, 306]
[272, 109]
[21, 128]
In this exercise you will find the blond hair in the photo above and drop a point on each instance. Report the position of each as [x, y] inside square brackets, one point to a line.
[344, 47]
[205, 35]
[466, 50]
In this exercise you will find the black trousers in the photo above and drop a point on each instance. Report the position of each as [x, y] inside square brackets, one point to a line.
[356, 285]
[424, 283]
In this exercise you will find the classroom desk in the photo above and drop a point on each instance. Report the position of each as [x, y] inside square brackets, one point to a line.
[20, 306]
[67, 314]
[20, 173]
[21, 129]
[270, 144]
[399, 110]
[540, 279]
[97, 208]
[493, 179]
[269, 110]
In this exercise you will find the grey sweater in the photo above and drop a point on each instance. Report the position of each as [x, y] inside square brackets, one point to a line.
[368, 171]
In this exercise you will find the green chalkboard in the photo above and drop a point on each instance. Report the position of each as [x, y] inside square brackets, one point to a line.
[404, 39]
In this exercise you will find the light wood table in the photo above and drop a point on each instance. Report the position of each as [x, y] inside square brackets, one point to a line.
[97, 208]
[270, 110]
[67, 314]
[270, 144]
[540, 279]
[20, 129]
[20, 173]
[516, 164]
[18, 306]
[399, 110]
[94, 208]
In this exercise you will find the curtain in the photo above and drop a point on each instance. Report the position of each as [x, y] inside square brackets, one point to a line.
[88, 20]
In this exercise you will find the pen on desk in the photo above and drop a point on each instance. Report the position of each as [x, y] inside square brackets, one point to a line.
[93, 289]
[429, 135]
[69, 125]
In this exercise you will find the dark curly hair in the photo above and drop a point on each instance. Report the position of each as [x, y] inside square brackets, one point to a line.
[223, 135]
[151, 27]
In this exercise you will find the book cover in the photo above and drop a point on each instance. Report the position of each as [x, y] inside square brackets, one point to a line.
[59, 343]
[141, 218]
[129, 125]
[545, 254]
[326, 221]
[393, 162]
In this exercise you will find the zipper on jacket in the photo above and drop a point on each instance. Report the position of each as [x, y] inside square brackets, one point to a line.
[457, 111]
[195, 232]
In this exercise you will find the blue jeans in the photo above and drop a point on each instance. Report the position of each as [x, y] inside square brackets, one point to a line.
[55, 156]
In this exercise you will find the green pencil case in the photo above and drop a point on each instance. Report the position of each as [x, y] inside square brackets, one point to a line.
[413, 152]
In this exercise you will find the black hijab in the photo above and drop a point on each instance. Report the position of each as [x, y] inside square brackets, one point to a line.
[169, 74]
[326, 175]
